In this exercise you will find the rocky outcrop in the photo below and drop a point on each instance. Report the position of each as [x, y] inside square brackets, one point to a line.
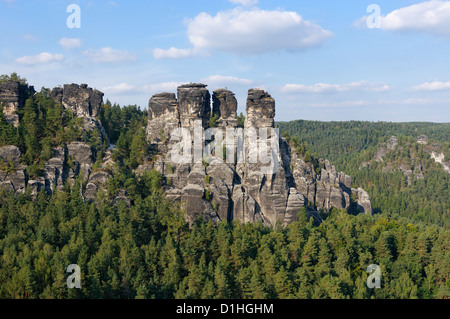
[225, 108]
[13, 95]
[68, 161]
[85, 103]
[163, 117]
[411, 167]
[269, 191]
[391, 145]
[12, 173]
[363, 204]
[440, 158]
[260, 111]
[64, 167]
[422, 139]
[81, 99]
[194, 102]
[254, 175]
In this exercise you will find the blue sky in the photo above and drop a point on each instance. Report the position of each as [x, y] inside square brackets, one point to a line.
[318, 59]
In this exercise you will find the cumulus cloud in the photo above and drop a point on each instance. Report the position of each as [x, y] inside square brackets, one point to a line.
[122, 88]
[42, 58]
[173, 53]
[430, 16]
[245, 3]
[335, 88]
[253, 31]
[224, 80]
[70, 43]
[342, 104]
[433, 86]
[110, 55]
[129, 89]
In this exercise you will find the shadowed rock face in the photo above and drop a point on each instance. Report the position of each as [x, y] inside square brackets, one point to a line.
[13, 96]
[225, 108]
[221, 190]
[81, 99]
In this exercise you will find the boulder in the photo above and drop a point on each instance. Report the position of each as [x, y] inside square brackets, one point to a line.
[10, 154]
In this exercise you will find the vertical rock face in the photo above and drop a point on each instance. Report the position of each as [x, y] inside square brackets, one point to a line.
[195, 103]
[81, 99]
[225, 108]
[13, 96]
[163, 117]
[260, 109]
[236, 190]
[12, 173]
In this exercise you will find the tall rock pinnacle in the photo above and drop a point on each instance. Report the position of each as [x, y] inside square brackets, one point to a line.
[194, 102]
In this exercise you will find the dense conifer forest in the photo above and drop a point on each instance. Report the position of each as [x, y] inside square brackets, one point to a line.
[147, 250]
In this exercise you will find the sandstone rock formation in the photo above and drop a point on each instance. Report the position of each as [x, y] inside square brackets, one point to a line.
[12, 172]
[229, 188]
[68, 161]
[225, 108]
[248, 174]
[13, 96]
[81, 99]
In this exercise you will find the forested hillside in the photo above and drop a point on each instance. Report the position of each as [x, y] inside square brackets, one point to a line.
[405, 182]
[142, 247]
[147, 251]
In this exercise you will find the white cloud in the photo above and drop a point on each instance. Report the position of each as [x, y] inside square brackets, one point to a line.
[223, 80]
[30, 38]
[342, 104]
[122, 88]
[110, 55]
[335, 88]
[129, 89]
[253, 31]
[70, 43]
[173, 53]
[42, 58]
[413, 101]
[429, 16]
[245, 3]
[433, 86]
[162, 87]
